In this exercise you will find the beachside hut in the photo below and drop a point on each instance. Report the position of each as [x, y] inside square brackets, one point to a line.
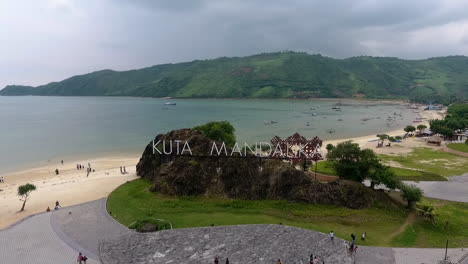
[434, 140]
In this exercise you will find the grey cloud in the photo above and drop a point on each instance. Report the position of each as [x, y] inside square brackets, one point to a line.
[84, 35]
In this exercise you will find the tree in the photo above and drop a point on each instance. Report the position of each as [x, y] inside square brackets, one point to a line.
[24, 191]
[409, 129]
[398, 138]
[330, 147]
[352, 163]
[421, 128]
[382, 174]
[220, 131]
[426, 210]
[411, 194]
[383, 137]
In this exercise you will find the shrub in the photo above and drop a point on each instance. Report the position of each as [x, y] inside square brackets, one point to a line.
[149, 225]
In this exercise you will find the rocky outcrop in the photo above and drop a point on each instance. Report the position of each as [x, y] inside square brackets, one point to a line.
[242, 178]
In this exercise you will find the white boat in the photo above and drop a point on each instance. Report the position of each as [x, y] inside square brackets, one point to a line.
[169, 103]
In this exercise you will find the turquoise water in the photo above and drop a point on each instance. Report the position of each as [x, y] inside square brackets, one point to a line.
[37, 129]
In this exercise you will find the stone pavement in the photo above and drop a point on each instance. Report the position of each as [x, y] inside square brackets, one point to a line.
[241, 244]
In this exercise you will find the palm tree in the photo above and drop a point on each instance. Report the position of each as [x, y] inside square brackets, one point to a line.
[427, 210]
[24, 191]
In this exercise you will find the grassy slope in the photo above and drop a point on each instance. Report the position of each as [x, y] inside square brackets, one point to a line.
[459, 147]
[133, 201]
[276, 75]
[438, 162]
[325, 167]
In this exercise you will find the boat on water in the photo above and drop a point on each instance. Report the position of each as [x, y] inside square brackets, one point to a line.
[314, 114]
[336, 107]
[169, 103]
[331, 131]
[270, 122]
[417, 121]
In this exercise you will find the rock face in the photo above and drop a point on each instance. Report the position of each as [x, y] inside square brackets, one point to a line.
[242, 178]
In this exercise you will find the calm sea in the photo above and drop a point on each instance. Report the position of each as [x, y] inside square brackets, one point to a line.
[35, 130]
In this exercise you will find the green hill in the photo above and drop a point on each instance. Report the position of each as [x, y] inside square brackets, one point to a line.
[275, 75]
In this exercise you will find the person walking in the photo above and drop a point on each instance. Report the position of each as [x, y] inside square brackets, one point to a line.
[353, 237]
[216, 260]
[227, 260]
[279, 261]
[363, 237]
[311, 259]
[332, 235]
[56, 172]
[62, 162]
[80, 258]
[121, 171]
[124, 170]
[316, 260]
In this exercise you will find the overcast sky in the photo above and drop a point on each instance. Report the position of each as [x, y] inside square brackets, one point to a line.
[49, 40]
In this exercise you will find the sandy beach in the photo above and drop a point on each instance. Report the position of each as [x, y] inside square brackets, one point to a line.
[72, 186]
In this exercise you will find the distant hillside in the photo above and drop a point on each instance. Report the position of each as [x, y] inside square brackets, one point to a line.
[276, 75]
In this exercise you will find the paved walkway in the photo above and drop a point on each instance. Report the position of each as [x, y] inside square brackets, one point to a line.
[455, 189]
[34, 241]
[58, 236]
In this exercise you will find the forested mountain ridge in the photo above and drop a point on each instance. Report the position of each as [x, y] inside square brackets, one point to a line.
[275, 75]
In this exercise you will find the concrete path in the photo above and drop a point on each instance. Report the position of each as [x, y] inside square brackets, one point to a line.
[455, 189]
[34, 241]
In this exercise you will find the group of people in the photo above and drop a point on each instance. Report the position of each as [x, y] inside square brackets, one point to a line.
[81, 259]
[216, 260]
[123, 170]
[88, 169]
[57, 206]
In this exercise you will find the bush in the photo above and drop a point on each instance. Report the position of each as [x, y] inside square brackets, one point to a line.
[149, 225]
[411, 193]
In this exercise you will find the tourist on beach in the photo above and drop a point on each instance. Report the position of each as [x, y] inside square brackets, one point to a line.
[125, 170]
[89, 165]
[216, 261]
[62, 162]
[227, 260]
[332, 235]
[121, 171]
[48, 209]
[363, 237]
[56, 172]
[77, 166]
[2, 180]
[279, 261]
[80, 258]
[57, 204]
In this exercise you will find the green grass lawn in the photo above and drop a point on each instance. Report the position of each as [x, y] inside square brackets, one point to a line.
[325, 167]
[433, 161]
[133, 201]
[459, 147]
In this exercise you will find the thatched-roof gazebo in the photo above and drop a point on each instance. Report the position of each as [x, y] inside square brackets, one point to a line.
[434, 140]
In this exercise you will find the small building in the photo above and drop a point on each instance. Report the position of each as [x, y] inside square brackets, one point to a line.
[435, 140]
[459, 137]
